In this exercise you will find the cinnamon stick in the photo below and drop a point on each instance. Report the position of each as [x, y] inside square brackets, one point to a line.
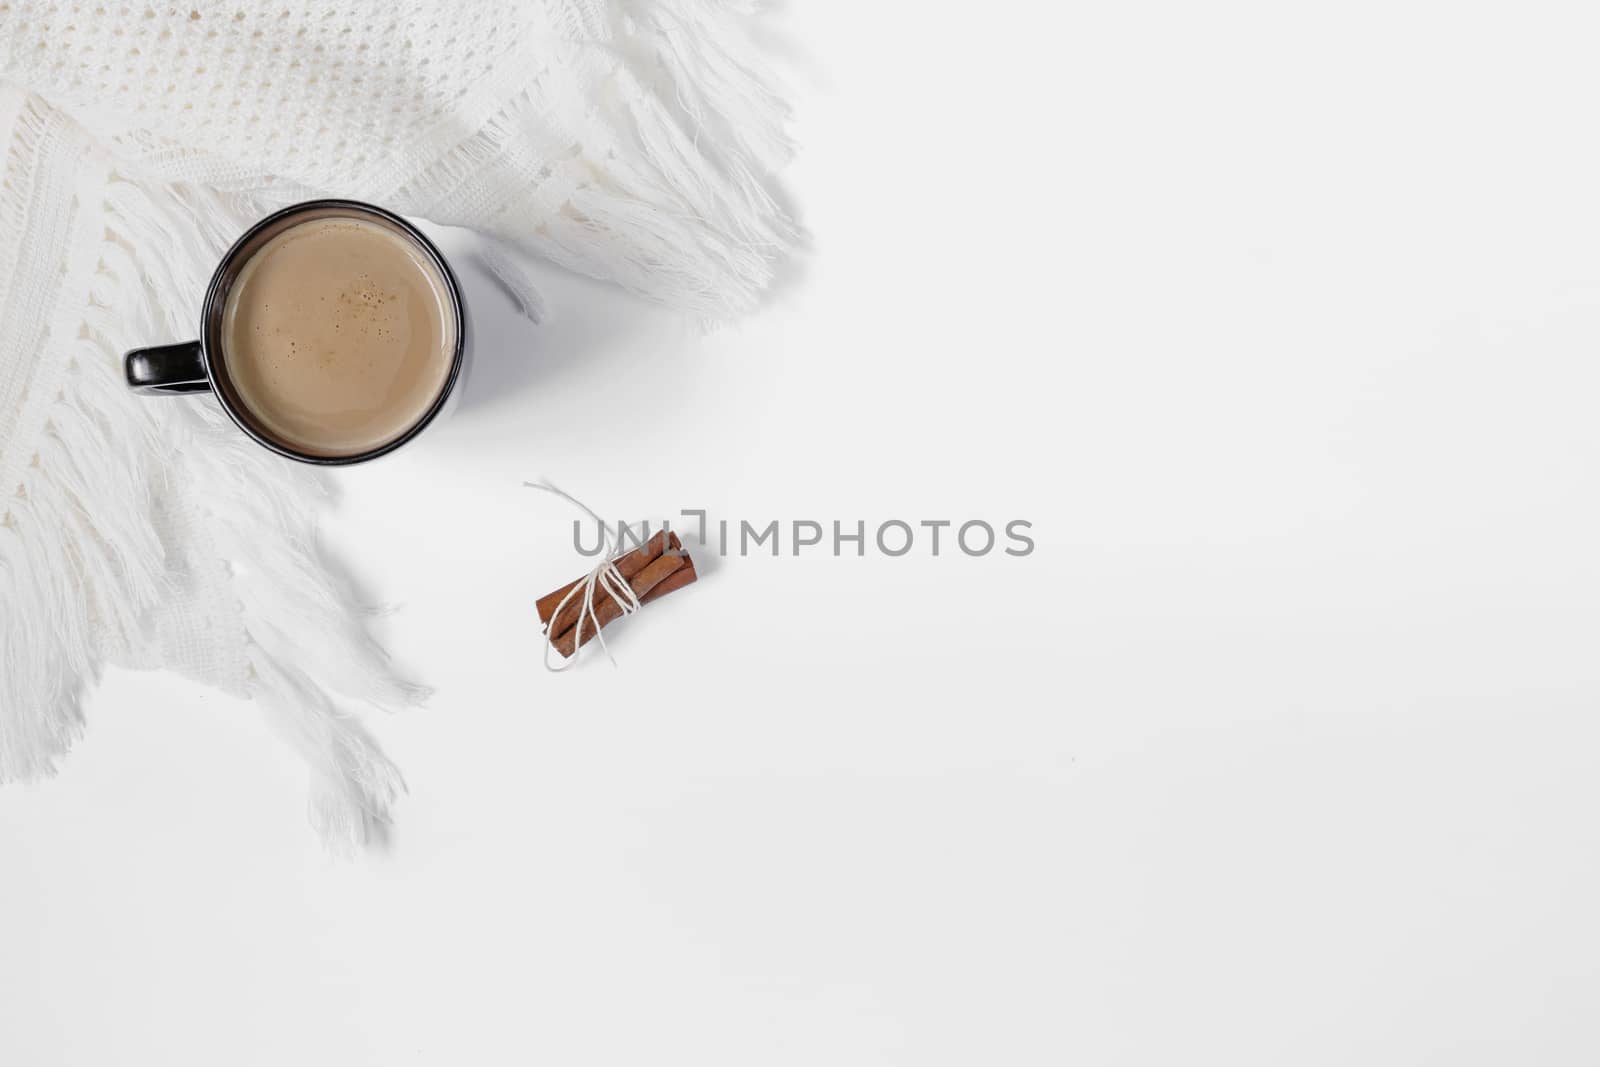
[676, 580]
[567, 617]
[606, 610]
[628, 565]
[655, 580]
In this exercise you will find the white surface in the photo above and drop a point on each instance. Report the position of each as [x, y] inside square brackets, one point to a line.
[1278, 322]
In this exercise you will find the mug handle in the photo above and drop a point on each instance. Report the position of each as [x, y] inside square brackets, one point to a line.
[166, 370]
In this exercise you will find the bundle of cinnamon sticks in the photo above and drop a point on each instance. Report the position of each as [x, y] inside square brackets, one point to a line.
[651, 571]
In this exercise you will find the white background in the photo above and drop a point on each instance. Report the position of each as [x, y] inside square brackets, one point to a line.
[1278, 321]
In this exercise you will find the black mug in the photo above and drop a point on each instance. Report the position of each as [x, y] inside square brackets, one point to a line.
[199, 366]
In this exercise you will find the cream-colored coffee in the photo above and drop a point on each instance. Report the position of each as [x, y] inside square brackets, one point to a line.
[338, 336]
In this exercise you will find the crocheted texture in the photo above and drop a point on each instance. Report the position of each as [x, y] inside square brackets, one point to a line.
[630, 141]
[625, 140]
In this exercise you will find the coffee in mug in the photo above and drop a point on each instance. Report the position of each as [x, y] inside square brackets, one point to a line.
[332, 333]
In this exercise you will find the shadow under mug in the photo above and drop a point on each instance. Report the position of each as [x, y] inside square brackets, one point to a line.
[198, 366]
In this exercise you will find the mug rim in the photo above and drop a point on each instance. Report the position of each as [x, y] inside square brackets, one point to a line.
[211, 306]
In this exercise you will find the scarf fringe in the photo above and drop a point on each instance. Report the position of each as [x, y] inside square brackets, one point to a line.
[79, 559]
[303, 637]
[670, 193]
[85, 563]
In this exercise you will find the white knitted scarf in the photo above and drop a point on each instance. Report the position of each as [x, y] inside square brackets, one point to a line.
[628, 139]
